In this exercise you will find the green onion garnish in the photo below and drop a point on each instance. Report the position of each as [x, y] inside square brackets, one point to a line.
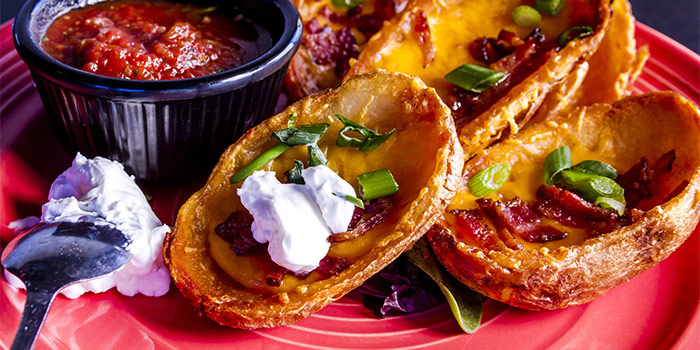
[294, 174]
[316, 156]
[597, 168]
[375, 184]
[555, 162]
[617, 203]
[259, 162]
[303, 135]
[550, 7]
[489, 180]
[525, 16]
[591, 187]
[370, 138]
[352, 199]
[207, 10]
[291, 122]
[565, 37]
[474, 78]
[347, 3]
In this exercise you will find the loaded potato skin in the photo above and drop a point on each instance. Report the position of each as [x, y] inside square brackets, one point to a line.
[579, 268]
[423, 155]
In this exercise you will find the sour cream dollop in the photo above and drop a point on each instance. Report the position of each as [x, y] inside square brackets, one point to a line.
[98, 190]
[296, 220]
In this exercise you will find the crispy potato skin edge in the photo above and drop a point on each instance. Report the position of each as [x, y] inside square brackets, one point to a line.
[236, 310]
[549, 280]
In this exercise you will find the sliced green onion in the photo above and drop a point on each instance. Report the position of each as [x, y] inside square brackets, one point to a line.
[303, 135]
[259, 162]
[294, 174]
[316, 156]
[555, 162]
[474, 78]
[371, 139]
[597, 168]
[352, 199]
[375, 184]
[591, 187]
[617, 203]
[489, 180]
[291, 122]
[208, 9]
[525, 16]
[565, 37]
[347, 3]
[550, 7]
[347, 141]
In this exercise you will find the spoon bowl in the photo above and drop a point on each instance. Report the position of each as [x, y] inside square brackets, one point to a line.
[49, 257]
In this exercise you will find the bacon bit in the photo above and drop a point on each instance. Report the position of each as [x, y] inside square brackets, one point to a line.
[237, 233]
[544, 234]
[367, 24]
[572, 204]
[421, 31]
[332, 266]
[273, 272]
[642, 183]
[522, 58]
[471, 223]
[376, 211]
[488, 206]
[490, 50]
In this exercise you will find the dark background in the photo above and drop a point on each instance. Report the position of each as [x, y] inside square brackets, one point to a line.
[679, 19]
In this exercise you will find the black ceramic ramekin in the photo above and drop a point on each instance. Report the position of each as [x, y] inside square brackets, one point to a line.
[164, 132]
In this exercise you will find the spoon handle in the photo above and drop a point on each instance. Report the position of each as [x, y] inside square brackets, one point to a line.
[35, 310]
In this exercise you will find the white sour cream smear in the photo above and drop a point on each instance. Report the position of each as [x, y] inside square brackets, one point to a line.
[295, 219]
[98, 190]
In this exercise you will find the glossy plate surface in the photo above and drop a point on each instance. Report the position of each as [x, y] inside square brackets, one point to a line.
[657, 309]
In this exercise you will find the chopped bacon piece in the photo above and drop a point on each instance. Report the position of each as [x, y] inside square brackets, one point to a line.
[471, 223]
[489, 207]
[237, 233]
[526, 57]
[332, 266]
[421, 30]
[642, 182]
[572, 203]
[326, 46]
[490, 50]
[376, 211]
[544, 234]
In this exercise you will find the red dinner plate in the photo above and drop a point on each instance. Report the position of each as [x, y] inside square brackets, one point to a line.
[657, 309]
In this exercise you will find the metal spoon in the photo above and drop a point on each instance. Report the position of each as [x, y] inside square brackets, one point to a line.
[49, 257]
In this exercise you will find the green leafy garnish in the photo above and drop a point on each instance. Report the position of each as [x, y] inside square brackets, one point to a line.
[489, 180]
[375, 184]
[525, 16]
[347, 3]
[555, 163]
[316, 156]
[304, 135]
[370, 138]
[474, 78]
[565, 37]
[294, 174]
[259, 162]
[550, 7]
[352, 199]
[596, 167]
[465, 304]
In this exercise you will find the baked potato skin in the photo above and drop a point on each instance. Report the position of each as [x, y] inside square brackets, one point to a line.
[547, 279]
[453, 27]
[387, 100]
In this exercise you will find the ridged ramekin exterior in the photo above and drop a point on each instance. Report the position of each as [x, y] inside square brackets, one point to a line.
[164, 132]
[163, 142]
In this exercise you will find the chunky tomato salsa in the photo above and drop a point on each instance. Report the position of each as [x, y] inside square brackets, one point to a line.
[141, 40]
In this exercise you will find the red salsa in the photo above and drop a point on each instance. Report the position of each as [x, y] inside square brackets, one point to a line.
[142, 40]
